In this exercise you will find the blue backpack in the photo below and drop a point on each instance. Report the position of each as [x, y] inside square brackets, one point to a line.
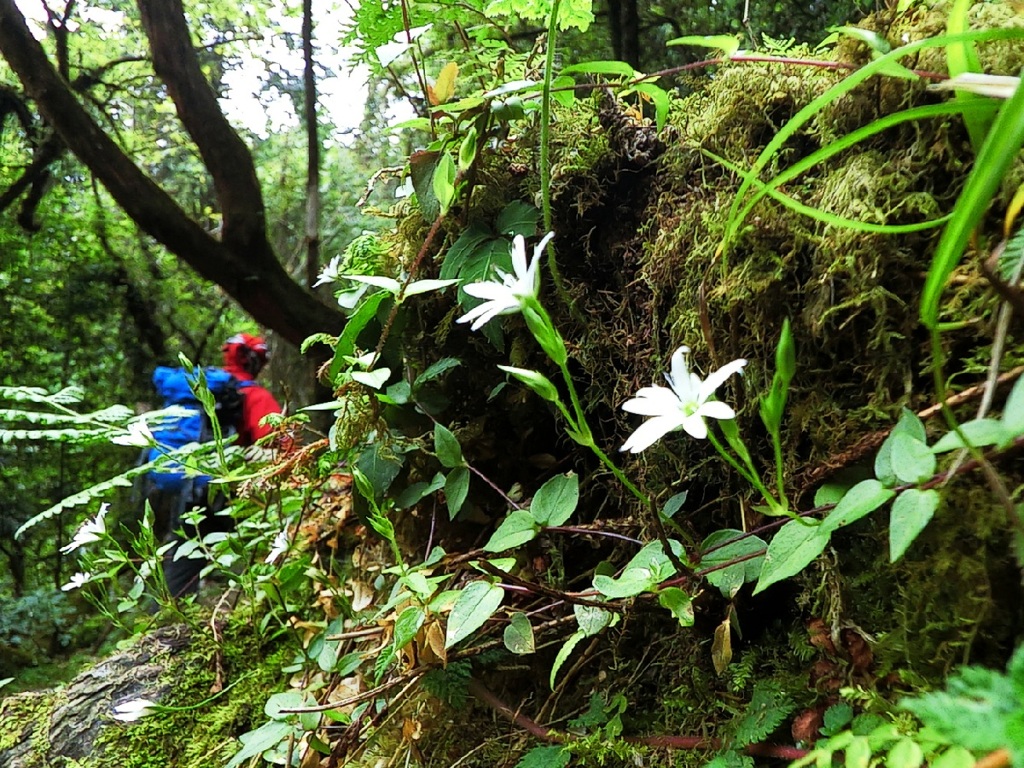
[191, 425]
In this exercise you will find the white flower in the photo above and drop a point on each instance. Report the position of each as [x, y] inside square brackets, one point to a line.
[329, 274]
[91, 530]
[77, 581]
[996, 86]
[511, 294]
[138, 435]
[279, 547]
[132, 710]
[683, 404]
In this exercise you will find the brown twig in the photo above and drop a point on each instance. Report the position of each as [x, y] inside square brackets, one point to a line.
[551, 736]
[870, 443]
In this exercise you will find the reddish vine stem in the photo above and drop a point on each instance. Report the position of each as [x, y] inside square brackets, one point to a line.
[871, 442]
[750, 58]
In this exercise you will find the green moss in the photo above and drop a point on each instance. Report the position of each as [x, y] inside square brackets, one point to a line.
[27, 716]
[212, 730]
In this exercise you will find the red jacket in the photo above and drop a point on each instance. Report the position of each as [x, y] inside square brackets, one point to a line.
[257, 402]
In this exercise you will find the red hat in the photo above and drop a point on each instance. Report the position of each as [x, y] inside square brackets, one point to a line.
[247, 352]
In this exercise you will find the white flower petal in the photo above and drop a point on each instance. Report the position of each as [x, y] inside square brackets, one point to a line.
[475, 312]
[652, 401]
[652, 430]
[519, 266]
[716, 409]
[695, 426]
[716, 379]
[490, 291]
[131, 711]
[77, 580]
[679, 369]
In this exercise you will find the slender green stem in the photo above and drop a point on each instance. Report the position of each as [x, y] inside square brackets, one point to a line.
[545, 146]
[749, 473]
[780, 483]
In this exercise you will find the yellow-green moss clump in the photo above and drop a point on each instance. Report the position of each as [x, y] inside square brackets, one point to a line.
[174, 668]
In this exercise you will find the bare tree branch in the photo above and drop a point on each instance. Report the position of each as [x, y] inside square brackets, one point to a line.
[243, 263]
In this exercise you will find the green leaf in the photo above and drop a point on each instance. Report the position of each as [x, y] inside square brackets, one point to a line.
[563, 654]
[518, 635]
[679, 603]
[468, 149]
[858, 754]
[515, 530]
[397, 393]
[556, 500]
[630, 584]
[1013, 411]
[998, 152]
[517, 218]
[422, 167]
[648, 568]
[619, 68]
[731, 578]
[407, 625]
[444, 182]
[379, 467]
[535, 380]
[279, 701]
[418, 491]
[912, 461]
[355, 325]
[456, 489]
[909, 425]
[962, 58]
[471, 238]
[954, 757]
[879, 47]
[563, 91]
[435, 370]
[727, 44]
[475, 605]
[830, 493]
[837, 717]
[327, 659]
[905, 753]
[911, 512]
[979, 433]
[863, 499]
[545, 757]
[791, 550]
[674, 504]
[659, 96]
[592, 619]
[447, 447]
[255, 743]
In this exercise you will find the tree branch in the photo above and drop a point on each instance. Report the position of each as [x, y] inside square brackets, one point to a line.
[243, 264]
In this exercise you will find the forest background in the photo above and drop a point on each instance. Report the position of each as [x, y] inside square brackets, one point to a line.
[139, 222]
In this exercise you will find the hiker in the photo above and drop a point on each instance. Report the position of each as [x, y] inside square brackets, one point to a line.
[244, 358]
[241, 404]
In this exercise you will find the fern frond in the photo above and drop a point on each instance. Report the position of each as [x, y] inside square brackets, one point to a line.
[124, 480]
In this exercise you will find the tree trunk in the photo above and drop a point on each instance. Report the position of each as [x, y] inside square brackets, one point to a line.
[242, 262]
